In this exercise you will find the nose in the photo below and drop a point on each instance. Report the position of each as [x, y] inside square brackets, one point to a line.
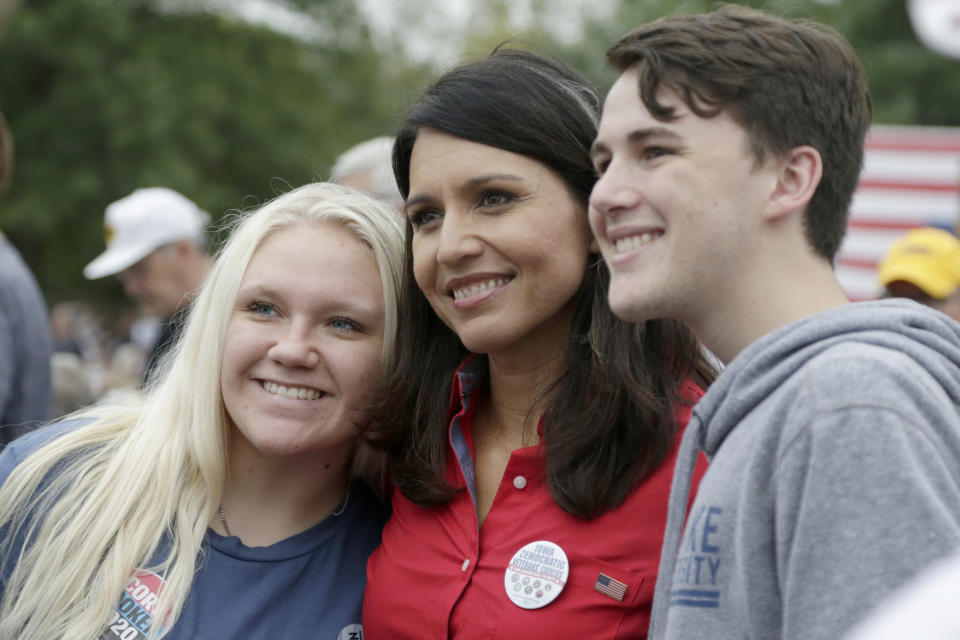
[296, 347]
[614, 191]
[458, 238]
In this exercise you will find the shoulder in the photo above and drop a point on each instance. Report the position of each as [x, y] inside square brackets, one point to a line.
[18, 450]
[856, 374]
[854, 405]
[14, 273]
[853, 395]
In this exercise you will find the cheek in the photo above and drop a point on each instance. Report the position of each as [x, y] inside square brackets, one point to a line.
[568, 248]
[359, 369]
[424, 265]
[425, 275]
[240, 350]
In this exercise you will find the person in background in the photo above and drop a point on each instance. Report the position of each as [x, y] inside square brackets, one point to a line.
[727, 155]
[225, 505]
[157, 246]
[25, 343]
[367, 167]
[531, 434]
[924, 265]
[72, 389]
[63, 329]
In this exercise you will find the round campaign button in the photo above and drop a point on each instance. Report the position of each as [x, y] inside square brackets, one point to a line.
[536, 575]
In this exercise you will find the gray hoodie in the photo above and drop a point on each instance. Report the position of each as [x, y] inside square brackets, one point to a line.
[835, 476]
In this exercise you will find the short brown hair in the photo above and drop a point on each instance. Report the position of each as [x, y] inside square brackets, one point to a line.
[786, 82]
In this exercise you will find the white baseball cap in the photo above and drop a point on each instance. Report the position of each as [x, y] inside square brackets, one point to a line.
[145, 220]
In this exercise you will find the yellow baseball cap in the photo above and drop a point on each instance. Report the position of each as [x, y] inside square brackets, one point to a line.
[927, 258]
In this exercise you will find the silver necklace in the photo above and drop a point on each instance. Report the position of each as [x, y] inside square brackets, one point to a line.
[336, 511]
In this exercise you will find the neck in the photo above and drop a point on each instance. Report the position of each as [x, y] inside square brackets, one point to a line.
[779, 293]
[266, 500]
[519, 390]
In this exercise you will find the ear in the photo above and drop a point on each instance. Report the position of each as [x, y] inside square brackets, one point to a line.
[800, 170]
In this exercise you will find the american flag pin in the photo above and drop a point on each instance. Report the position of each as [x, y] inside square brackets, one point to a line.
[610, 587]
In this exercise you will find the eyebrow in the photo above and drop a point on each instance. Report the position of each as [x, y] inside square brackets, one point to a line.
[466, 187]
[637, 135]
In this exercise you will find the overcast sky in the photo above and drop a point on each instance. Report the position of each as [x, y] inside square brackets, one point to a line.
[441, 25]
[429, 29]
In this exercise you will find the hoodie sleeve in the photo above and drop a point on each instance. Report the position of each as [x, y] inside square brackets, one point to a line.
[866, 496]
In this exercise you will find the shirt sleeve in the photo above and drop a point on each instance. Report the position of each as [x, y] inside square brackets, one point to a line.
[866, 496]
[9, 458]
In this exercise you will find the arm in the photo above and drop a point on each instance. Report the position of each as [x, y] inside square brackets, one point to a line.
[866, 496]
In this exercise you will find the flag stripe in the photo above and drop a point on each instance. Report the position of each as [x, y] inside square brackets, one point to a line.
[610, 587]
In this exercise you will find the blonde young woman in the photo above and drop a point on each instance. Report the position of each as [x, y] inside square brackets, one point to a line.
[224, 507]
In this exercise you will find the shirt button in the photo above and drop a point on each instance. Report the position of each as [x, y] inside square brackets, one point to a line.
[520, 482]
[466, 563]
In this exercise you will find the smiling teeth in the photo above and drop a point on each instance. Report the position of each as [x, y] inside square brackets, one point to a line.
[297, 393]
[476, 289]
[632, 242]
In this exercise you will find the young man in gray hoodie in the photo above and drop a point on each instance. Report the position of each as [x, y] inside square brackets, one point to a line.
[728, 153]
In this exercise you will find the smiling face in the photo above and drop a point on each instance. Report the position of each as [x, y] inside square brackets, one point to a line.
[302, 347]
[677, 207]
[499, 244]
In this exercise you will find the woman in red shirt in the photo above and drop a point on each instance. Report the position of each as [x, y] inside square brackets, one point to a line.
[531, 434]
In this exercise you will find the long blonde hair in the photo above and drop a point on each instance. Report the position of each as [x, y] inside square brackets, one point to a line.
[137, 487]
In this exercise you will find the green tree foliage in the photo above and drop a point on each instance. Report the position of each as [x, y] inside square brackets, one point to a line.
[105, 96]
[910, 84]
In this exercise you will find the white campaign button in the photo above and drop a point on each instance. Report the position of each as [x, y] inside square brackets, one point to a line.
[536, 575]
[520, 482]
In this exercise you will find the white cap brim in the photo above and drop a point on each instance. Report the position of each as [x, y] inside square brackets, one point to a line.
[117, 259]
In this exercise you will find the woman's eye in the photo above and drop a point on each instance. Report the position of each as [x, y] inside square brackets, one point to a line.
[262, 308]
[422, 217]
[495, 198]
[344, 324]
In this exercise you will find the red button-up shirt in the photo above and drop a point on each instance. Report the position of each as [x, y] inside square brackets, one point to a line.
[437, 575]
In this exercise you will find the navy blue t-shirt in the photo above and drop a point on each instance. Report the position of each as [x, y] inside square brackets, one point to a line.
[309, 586]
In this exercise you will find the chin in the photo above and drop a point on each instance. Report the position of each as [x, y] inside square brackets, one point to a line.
[625, 306]
[631, 307]
[484, 342]
[281, 449]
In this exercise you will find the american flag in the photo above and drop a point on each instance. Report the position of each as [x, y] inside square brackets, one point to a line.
[911, 178]
[610, 587]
